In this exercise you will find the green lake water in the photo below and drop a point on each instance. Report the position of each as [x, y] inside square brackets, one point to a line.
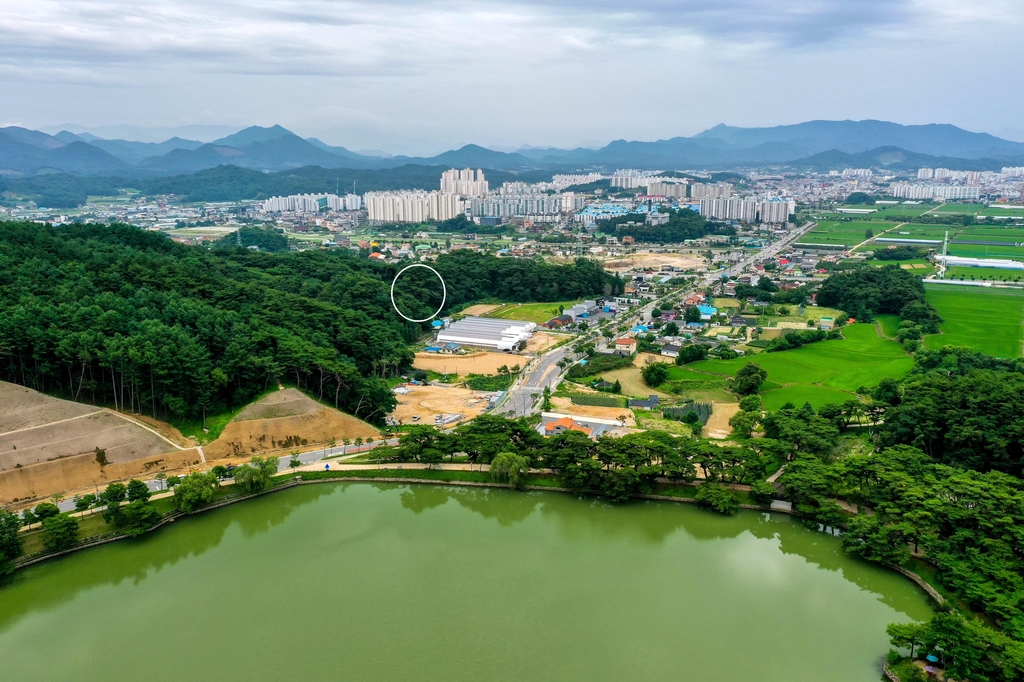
[363, 581]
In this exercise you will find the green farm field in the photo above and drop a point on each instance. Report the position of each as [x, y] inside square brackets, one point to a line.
[841, 232]
[980, 210]
[530, 312]
[983, 274]
[994, 233]
[823, 372]
[902, 211]
[928, 232]
[985, 250]
[890, 323]
[986, 319]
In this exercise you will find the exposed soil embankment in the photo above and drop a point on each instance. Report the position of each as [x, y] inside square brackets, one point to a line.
[283, 421]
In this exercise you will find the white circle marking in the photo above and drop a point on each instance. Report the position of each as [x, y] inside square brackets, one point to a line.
[444, 290]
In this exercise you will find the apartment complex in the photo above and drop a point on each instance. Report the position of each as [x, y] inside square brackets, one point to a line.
[411, 206]
[311, 203]
[464, 183]
[905, 190]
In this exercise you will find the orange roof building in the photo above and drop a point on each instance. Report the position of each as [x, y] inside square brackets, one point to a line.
[560, 426]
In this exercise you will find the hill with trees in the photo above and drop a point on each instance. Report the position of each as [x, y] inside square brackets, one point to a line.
[116, 315]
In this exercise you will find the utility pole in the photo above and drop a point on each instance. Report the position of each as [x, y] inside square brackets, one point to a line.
[945, 244]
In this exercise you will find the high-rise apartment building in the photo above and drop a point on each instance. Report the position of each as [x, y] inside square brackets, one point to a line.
[719, 190]
[464, 183]
[925, 173]
[904, 190]
[663, 188]
[411, 207]
[734, 208]
[562, 181]
[775, 210]
[311, 203]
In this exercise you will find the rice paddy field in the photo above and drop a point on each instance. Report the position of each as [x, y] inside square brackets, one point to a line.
[983, 274]
[890, 324]
[989, 320]
[902, 211]
[882, 211]
[909, 231]
[981, 210]
[984, 250]
[819, 373]
[841, 233]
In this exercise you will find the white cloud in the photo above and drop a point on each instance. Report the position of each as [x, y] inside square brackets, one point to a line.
[392, 72]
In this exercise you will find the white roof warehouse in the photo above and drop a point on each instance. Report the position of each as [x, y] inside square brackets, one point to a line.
[488, 332]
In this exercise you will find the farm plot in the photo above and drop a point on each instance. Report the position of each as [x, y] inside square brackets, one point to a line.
[965, 274]
[479, 309]
[862, 358]
[474, 363]
[985, 250]
[566, 406]
[841, 233]
[902, 211]
[925, 232]
[538, 313]
[988, 320]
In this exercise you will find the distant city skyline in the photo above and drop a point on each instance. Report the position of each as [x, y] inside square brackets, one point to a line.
[417, 78]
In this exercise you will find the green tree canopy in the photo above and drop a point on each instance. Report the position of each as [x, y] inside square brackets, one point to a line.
[195, 490]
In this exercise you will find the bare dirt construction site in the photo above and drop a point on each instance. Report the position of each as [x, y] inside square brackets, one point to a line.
[718, 424]
[48, 445]
[284, 421]
[430, 401]
[541, 341]
[654, 261]
[566, 406]
[474, 363]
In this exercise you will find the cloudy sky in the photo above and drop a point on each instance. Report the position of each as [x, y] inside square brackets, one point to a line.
[419, 77]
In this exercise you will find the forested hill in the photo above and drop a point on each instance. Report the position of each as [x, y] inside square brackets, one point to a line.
[115, 315]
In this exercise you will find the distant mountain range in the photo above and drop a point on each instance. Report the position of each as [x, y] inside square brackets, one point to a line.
[814, 145]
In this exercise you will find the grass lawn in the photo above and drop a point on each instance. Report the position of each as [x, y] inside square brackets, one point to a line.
[862, 358]
[530, 312]
[986, 319]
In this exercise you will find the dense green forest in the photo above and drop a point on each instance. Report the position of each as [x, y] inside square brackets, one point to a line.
[867, 291]
[266, 239]
[944, 486]
[683, 224]
[116, 315]
[231, 183]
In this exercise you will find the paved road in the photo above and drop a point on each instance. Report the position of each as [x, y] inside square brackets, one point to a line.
[308, 457]
[544, 372]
